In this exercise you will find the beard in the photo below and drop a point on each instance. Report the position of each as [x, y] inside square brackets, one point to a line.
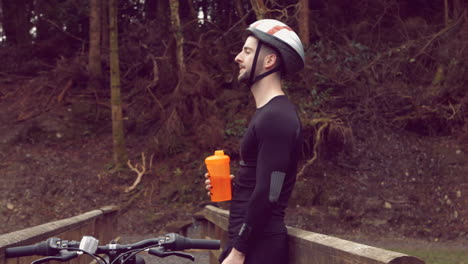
[244, 75]
[245, 72]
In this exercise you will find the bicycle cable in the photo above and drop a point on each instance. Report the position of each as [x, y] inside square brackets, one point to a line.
[96, 257]
[132, 253]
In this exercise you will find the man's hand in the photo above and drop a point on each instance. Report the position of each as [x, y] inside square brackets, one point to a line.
[234, 257]
[208, 186]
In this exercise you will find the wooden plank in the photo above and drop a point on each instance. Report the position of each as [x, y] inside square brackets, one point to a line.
[308, 247]
[214, 256]
[106, 225]
[209, 230]
[331, 248]
[69, 229]
[110, 209]
[42, 232]
[86, 230]
[11, 260]
[27, 260]
[217, 216]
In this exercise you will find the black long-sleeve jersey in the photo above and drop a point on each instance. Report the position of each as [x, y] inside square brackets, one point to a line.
[265, 180]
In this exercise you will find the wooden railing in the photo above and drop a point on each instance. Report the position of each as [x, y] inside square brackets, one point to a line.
[101, 224]
[306, 247]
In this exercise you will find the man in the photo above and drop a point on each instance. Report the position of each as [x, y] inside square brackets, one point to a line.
[269, 149]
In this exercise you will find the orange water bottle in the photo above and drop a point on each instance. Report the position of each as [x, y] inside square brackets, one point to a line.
[220, 176]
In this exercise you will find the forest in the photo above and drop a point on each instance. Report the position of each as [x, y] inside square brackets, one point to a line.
[95, 93]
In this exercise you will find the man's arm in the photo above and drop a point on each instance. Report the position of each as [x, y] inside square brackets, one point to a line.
[276, 135]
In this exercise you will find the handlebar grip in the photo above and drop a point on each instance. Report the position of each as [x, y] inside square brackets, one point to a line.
[203, 243]
[174, 241]
[22, 251]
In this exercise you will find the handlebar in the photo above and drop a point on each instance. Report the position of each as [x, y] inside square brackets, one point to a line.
[25, 251]
[62, 250]
[46, 248]
[177, 242]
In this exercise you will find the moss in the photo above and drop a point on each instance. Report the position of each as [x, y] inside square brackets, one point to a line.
[438, 256]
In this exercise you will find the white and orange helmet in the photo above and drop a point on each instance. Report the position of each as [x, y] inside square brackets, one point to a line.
[283, 39]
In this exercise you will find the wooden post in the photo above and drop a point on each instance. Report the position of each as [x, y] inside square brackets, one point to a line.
[106, 226]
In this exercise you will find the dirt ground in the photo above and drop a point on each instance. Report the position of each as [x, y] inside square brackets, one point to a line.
[394, 186]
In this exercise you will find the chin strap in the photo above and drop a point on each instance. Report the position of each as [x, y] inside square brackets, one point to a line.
[265, 74]
[254, 79]
[254, 64]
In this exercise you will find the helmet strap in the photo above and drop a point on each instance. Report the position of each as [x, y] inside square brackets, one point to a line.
[254, 78]
[254, 64]
[265, 74]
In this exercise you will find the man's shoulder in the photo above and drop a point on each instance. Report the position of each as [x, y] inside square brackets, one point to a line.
[280, 104]
[279, 114]
[280, 107]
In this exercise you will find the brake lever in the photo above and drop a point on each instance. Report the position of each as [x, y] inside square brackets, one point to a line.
[181, 254]
[159, 252]
[64, 256]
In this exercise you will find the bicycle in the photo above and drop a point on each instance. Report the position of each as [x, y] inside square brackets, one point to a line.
[63, 250]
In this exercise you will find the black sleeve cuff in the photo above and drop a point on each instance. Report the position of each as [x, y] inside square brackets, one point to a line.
[243, 238]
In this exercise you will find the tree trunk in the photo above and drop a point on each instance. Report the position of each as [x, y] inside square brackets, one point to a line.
[151, 7]
[239, 8]
[304, 22]
[16, 21]
[104, 27]
[158, 10]
[458, 8]
[120, 151]
[224, 11]
[177, 29]
[94, 61]
[162, 14]
[259, 8]
[187, 11]
[446, 12]
[45, 10]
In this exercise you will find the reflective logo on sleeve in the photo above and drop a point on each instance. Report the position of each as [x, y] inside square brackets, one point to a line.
[276, 184]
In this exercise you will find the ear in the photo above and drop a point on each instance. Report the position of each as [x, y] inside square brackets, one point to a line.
[270, 61]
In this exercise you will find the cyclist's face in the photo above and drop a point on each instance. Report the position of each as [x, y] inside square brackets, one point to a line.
[245, 58]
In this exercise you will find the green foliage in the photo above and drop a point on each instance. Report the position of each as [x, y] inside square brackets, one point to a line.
[333, 59]
[109, 166]
[236, 128]
[314, 101]
[178, 172]
[319, 98]
[357, 55]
